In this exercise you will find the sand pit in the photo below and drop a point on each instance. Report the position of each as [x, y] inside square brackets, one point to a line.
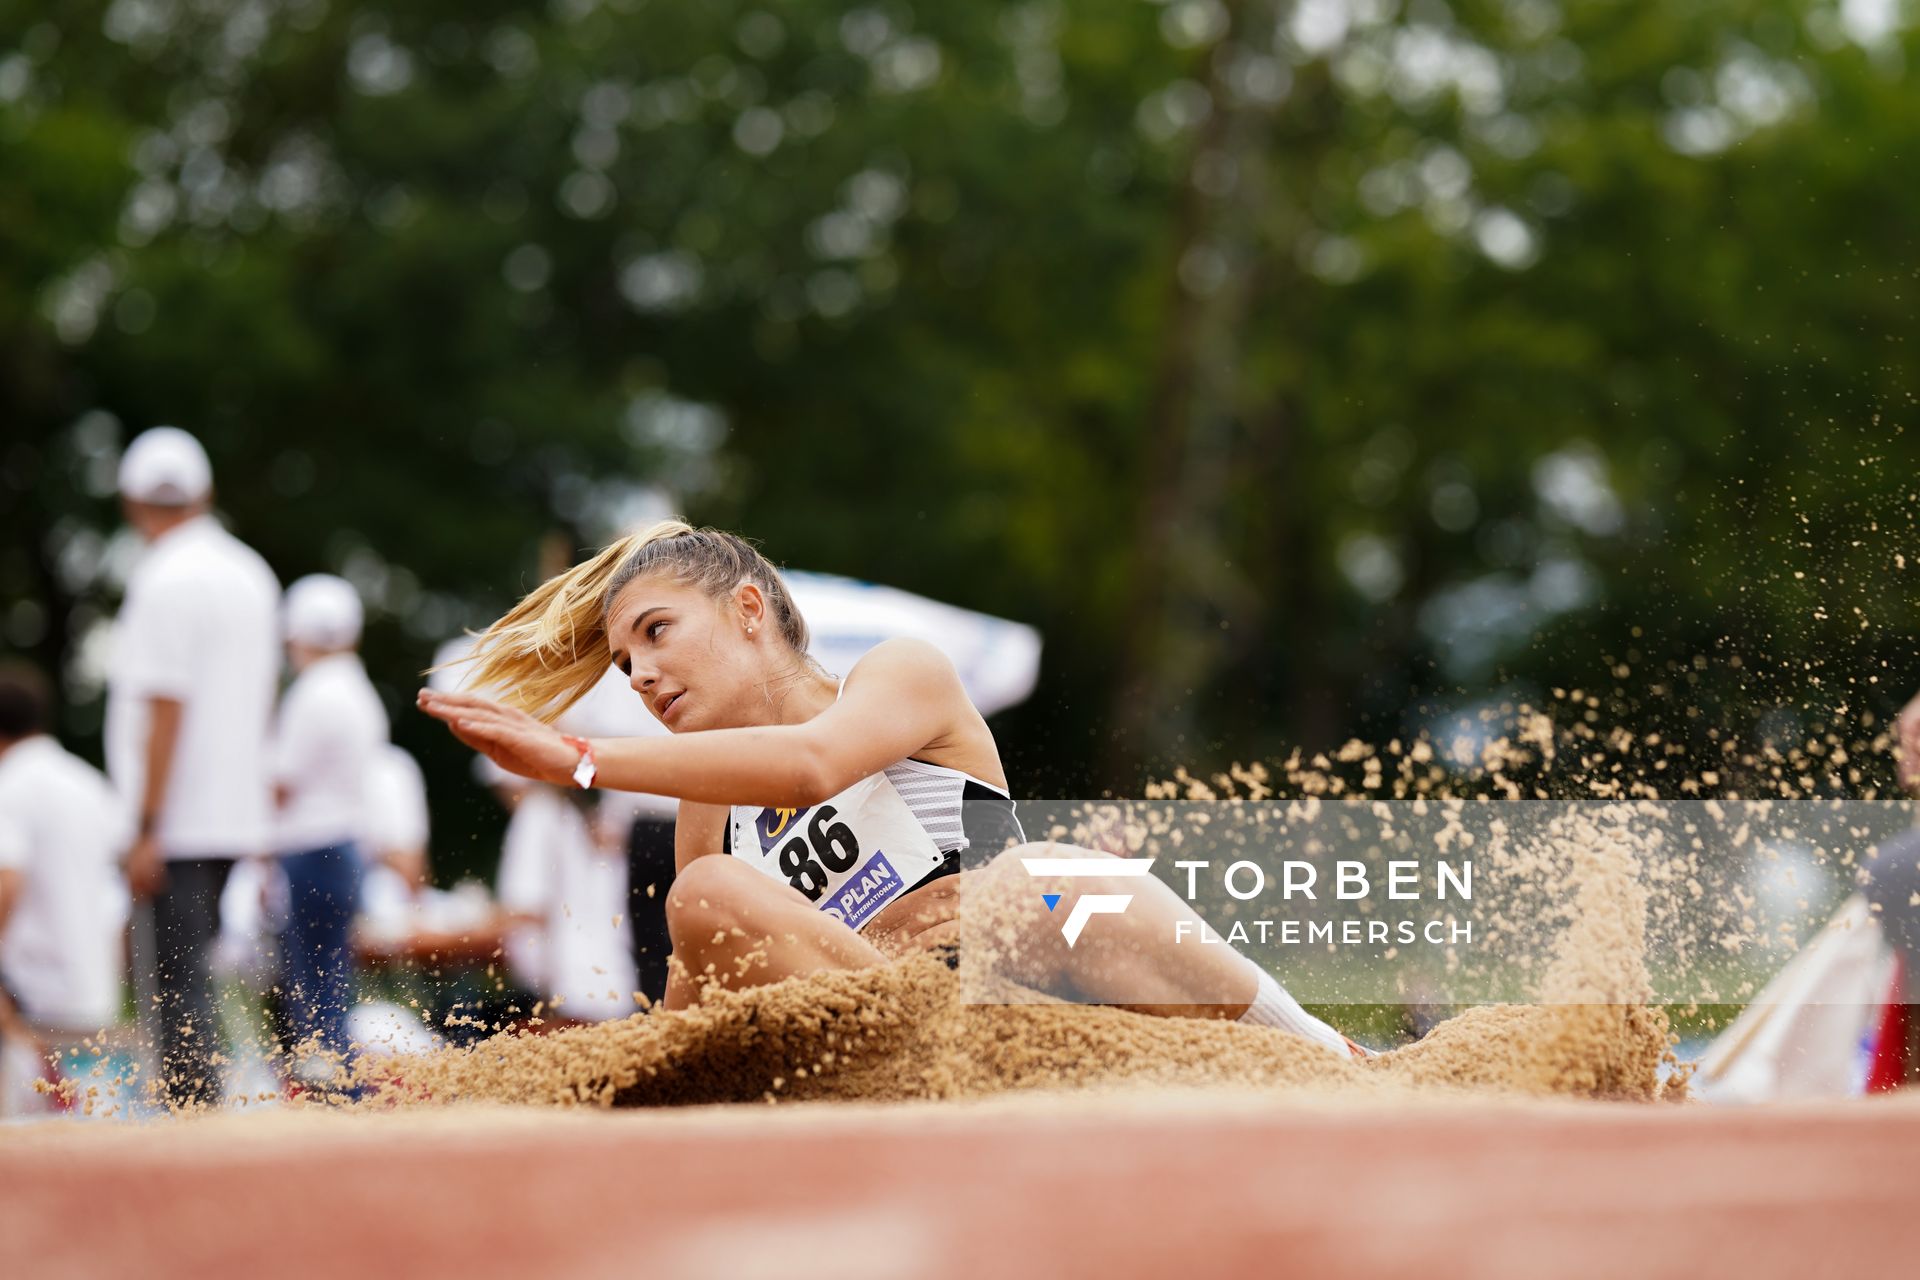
[1045, 1184]
[915, 1031]
[904, 1033]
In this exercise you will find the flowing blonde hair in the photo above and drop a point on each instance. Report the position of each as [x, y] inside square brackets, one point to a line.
[552, 647]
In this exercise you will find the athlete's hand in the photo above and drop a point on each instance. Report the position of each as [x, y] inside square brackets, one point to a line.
[511, 739]
[1907, 740]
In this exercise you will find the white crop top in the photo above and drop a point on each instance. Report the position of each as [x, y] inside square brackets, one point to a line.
[885, 835]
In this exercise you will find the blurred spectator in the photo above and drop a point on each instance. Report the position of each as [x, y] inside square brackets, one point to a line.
[634, 826]
[523, 882]
[563, 881]
[641, 826]
[567, 893]
[63, 905]
[195, 664]
[396, 816]
[330, 728]
[437, 948]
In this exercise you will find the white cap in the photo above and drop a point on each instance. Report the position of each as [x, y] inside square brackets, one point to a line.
[322, 612]
[167, 467]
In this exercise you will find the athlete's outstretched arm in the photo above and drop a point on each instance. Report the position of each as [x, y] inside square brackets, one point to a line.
[903, 695]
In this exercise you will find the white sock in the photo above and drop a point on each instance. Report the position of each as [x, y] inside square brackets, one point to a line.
[1273, 1007]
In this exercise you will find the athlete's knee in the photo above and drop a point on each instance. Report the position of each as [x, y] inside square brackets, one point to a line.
[711, 895]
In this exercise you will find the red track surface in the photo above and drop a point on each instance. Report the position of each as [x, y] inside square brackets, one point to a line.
[1174, 1186]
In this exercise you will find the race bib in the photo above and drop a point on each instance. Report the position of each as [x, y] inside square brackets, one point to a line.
[850, 856]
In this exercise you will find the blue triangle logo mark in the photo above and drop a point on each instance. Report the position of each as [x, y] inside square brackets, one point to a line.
[1051, 899]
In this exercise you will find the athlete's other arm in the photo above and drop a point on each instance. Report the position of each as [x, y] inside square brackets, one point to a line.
[698, 831]
[901, 698]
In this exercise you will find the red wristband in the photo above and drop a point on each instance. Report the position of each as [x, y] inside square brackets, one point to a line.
[584, 771]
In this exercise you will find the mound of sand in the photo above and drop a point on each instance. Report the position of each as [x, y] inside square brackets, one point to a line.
[902, 1032]
[913, 1030]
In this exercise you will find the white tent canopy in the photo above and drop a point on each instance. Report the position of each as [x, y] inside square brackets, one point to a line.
[999, 661]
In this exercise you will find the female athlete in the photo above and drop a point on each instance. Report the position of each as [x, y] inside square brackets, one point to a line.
[822, 822]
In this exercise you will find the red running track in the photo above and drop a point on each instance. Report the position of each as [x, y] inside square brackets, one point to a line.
[1167, 1185]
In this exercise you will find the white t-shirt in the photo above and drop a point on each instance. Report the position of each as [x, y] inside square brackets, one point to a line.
[551, 866]
[63, 829]
[525, 883]
[330, 730]
[199, 625]
[396, 803]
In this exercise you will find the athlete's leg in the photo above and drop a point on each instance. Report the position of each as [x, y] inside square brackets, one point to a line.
[1127, 959]
[733, 926]
[1139, 959]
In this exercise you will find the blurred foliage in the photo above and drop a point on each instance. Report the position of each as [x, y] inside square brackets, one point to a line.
[1300, 369]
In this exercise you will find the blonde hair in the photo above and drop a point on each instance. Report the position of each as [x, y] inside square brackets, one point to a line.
[552, 647]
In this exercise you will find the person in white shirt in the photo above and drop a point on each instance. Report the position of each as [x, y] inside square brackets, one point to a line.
[554, 871]
[63, 904]
[396, 816]
[393, 846]
[642, 825]
[637, 824]
[331, 727]
[562, 883]
[195, 665]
